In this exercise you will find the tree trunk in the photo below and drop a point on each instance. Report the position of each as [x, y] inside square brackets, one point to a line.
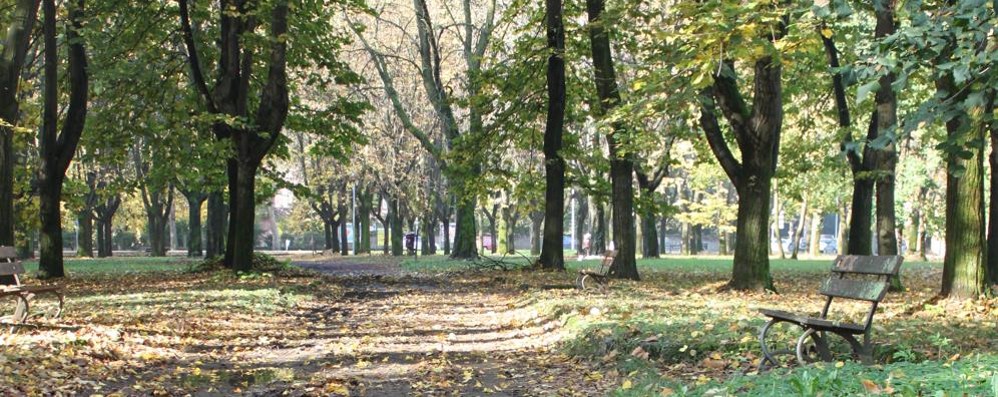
[232, 168]
[581, 217]
[993, 205]
[194, 202]
[861, 223]
[777, 226]
[464, 246]
[85, 219]
[649, 236]
[798, 231]
[841, 241]
[815, 244]
[536, 221]
[344, 238]
[56, 148]
[621, 165]
[751, 267]
[172, 226]
[15, 47]
[215, 230]
[663, 225]
[964, 266]
[447, 235]
[395, 218]
[598, 224]
[50, 235]
[552, 252]
[105, 216]
[245, 216]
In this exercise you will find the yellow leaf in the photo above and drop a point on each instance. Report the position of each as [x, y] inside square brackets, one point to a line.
[870, 386]
[627, 384]
[666, 392]
[840, 364]
[826, 33]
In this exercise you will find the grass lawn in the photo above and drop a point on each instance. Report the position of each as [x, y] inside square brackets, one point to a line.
[113, 265]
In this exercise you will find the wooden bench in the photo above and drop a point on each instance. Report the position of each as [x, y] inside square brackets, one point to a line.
[10, 285]
[862, 278]
[587, 277]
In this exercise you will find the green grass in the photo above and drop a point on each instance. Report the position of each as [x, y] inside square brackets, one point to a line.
[973, 376]
[142, 264]
[686, 264]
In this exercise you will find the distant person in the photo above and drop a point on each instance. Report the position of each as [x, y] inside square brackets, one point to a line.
[586, 243]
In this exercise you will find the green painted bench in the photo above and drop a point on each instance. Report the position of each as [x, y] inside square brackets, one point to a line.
[861, 278]
[10, 285]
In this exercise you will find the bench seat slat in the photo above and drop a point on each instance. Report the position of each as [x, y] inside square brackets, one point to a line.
[872, 291]
[814, 322]
[30, 288]
[879, 265]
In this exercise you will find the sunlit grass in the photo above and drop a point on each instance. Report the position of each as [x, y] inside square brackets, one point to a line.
[116, 265]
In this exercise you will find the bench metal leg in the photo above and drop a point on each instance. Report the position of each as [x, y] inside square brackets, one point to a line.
[20, 312]
[820, 346]
[769, 359]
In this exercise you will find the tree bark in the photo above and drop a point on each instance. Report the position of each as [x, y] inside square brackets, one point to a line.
[581, 217]
[395, 219]
[993, 205]
[85, 220]
[598, 224]
[815, 244]
[621, 165]
[215, 229]
[799, 229]
[245, 217]
[194, 202]
[57, 149]
[552, 252]
[15, 48]
[536, 222]
[964, 265]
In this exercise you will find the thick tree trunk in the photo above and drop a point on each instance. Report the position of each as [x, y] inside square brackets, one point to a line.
[56, 148]
[861, 223]
[446, 236]
[841, 241]
[15, 47]
[105, 216]
[85, 220]
[327, 232]
[50, 263]
[621, 165]
[464, 246]
[964, 266]
[215, 230]
[245, 217]
[751, 267]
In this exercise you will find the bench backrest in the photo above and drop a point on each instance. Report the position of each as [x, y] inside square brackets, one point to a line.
[865, 278]
[608, 258]
[10, 266]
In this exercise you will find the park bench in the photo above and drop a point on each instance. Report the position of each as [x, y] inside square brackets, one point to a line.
[10, 285]
[861, 278]
[588, 277]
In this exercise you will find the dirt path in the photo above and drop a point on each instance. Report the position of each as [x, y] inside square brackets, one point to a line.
[400, 335]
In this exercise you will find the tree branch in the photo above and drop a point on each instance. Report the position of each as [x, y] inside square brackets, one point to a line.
[193, 59]
[715, 138]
